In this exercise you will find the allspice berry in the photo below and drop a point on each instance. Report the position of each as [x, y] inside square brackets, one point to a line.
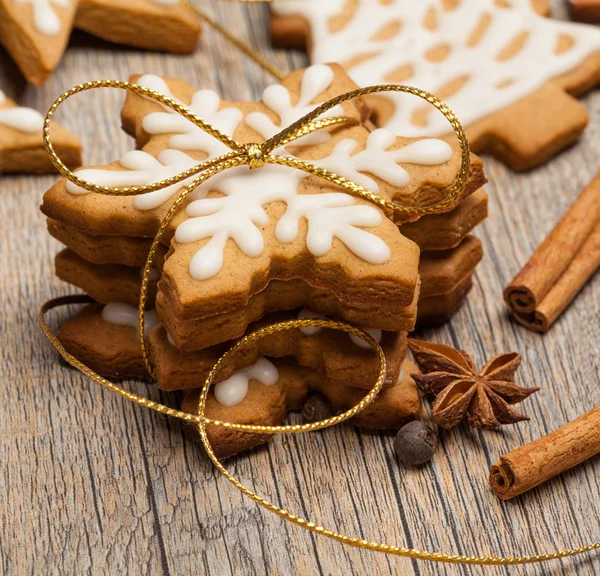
[316, 408]
[415, 443]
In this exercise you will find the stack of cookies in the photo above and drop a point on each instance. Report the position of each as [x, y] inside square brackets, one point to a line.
[256, 246]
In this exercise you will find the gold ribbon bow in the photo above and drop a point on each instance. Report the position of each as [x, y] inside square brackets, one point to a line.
[256, 155]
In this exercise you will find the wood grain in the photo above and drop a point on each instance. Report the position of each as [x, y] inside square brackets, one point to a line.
[90, 484]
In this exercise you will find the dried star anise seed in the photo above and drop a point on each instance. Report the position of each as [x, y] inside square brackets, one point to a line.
[484, 397]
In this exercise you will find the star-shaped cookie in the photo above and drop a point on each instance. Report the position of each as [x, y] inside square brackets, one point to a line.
[36, 32]
[21, 144]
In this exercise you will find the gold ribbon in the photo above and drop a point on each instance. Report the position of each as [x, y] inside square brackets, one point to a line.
[256, 155]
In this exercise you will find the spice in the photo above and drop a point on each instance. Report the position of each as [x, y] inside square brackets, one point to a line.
[415, 443]
[561, 265]
[483, 397]
[530, 465]
[317, 408]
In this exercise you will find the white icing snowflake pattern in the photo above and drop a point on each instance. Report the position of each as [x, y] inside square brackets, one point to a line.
[383, 163]
[240, 212]
[141, 168]
[471, 40]
[205, 104]
[316, 80]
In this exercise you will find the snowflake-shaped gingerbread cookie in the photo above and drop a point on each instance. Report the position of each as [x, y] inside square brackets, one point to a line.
[502, 67]
[245, 227]
[36, 32]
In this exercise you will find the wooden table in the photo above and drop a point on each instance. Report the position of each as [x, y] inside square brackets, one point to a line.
[92, 484]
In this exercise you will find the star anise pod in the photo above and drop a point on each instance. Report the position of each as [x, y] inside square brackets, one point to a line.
[484, 397]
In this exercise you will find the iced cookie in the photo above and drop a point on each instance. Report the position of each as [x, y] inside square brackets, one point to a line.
[510, 73]
[263, 392]
[445, 269]
[339, 358]
[268, 391]
[36, 32]
[445, 280]
[195, 334]
[105, 339]
[21, 145]
[125, 250]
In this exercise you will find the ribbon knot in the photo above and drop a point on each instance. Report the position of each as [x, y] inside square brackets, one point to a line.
[255, 155]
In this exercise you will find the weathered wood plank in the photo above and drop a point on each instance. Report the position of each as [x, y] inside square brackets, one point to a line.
[89, 483]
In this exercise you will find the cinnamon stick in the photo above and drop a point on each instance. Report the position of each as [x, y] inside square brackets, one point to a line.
[561, 265]
[532, 464]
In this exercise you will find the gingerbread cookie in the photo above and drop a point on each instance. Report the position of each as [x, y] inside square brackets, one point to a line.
[21, 144]
[124, 250]
[269, 390]
[445, 269]
[251, 245]
[104, 282]
[36, 32]
[445, 280]
[446, 231]
[105, 339]
[508, 72]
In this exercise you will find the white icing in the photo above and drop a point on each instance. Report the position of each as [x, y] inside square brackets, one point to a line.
[374, 333]
[233, 390]
[45, 19]
[332, 216]
[205, 104]
[277, 98]
[22, 119]
[239, 213]
[311, 330]
[383, 163]
[167, 2]
[127, 315]
[141, 168]
[492, 83]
